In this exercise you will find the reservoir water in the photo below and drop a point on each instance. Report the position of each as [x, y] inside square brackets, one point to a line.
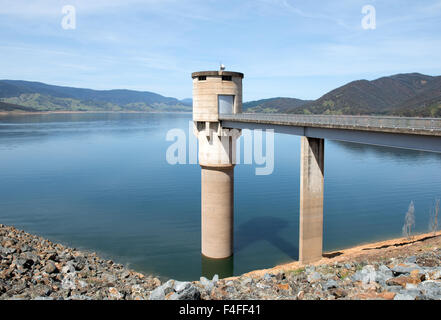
[101, 182]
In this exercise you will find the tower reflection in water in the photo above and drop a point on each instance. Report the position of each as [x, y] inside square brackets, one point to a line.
[222, 267]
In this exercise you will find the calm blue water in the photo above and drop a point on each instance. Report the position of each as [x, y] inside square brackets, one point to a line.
[101, 182]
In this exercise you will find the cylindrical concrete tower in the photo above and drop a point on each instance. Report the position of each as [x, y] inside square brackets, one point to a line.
[214, 93]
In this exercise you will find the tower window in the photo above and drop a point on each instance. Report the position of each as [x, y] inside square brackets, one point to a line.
[202, 78]
[227, 78]
[226, 104]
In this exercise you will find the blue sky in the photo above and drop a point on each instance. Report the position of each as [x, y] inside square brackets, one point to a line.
[285, 48]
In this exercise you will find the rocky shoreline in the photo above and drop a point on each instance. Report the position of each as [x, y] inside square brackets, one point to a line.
[33, 268]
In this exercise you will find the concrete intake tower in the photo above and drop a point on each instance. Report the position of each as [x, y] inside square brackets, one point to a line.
[214, 93]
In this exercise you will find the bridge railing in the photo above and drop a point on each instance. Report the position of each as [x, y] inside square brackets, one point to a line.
[430, 124]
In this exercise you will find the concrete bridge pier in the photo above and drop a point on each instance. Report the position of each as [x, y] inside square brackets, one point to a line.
[311, 199]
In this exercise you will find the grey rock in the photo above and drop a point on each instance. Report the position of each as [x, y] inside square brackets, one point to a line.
[204, 281]
[190, 293]
[207, 284]
[330, 284]
[405, 268]
[280, 276]
[125, 274]
[108, 277]
[160, 292]
[181, 286]
[82, 284]
[157, 294]
[50, 268]
[309, 269]
[137, 290]
[382, 276]
[3, 286]
[430, 289]
[267, 277]
[246, 281]
[411, 259]
[79, 265]
[7, 251]
[328, 276]
[31, 256]
[369, 274]
[68, 282]
[230, 289]
[25, 248]
[23, 263]
[168, 286]
[433, 273]
[19, 297]
[41, 290]
[366, 275]
[52, 256]
[65, 256]
[181, 291]
[115, 294]
[262, 286]
[402, 296]
[383, 268]
[357, 276]
[314, 277]
[395, 289]
[43, 298]
[18, 288]
[68, 268]
[79, 297]
[411, 286]
[411, 292]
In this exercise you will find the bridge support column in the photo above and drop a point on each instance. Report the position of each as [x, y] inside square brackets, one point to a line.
[311, 199]
[217, 151]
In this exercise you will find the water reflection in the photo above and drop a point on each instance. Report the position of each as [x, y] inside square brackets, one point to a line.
[264, 228]
[19, 130]
[222, 267]
[397, 154]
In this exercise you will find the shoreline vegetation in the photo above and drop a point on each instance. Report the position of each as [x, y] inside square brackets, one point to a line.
[32, 267]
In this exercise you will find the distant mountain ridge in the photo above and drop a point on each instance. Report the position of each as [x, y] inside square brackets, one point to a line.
[410, 94]
[44, 97]
[280, 105]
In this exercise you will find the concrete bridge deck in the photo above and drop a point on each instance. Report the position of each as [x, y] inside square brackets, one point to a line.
[410, 133]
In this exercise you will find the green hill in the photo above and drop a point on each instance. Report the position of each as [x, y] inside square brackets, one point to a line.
[9, 107]
[44, 97]
[411, 94]
[273, 105]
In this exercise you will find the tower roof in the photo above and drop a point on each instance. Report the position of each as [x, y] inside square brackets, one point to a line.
[216, 74]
